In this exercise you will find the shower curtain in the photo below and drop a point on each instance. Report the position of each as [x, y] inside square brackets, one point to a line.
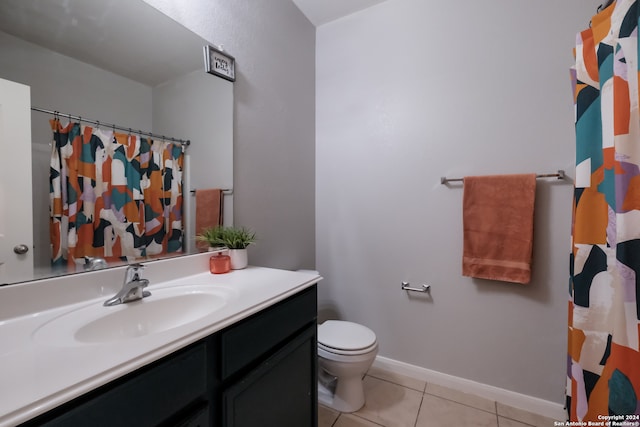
[603, 354]
[112, 195]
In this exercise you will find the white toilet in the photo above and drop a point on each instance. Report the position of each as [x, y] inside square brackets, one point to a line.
[346, 351]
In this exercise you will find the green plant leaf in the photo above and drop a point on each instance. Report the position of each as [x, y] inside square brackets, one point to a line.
[231, 237]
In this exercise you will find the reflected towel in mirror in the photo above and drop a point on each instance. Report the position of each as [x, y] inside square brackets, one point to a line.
[208, 210]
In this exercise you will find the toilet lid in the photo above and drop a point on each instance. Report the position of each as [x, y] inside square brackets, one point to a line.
[344, 335]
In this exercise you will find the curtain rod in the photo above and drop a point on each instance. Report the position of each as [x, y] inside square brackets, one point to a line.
[559, 175]
[183, 142]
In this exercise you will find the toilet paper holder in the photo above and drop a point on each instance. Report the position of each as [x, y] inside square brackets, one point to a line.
[406, 286]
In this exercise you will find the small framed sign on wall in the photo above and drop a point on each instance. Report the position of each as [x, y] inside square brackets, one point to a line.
[219, 63]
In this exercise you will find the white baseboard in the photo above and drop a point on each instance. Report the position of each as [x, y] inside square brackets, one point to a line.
[517, 400]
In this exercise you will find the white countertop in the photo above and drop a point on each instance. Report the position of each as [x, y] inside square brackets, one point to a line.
[37, 376]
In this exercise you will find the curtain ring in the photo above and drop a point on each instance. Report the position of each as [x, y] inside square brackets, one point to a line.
[56, 119]
[80, 129]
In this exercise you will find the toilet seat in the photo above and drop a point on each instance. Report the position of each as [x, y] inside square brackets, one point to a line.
[325, 351]
[346, 338]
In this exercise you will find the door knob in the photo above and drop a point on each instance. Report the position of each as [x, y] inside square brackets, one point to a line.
[21, 249]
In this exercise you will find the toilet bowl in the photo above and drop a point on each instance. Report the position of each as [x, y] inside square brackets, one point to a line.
[346, 351]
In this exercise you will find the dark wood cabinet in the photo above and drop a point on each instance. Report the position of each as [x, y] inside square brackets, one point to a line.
[259, 372]
[280, 392]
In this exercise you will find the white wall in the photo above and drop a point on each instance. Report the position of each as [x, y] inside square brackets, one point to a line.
[412, 90]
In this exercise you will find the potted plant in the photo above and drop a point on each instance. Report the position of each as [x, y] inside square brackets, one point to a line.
[236, 239]
[212, 236]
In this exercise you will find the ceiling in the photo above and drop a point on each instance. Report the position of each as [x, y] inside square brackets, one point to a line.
[322, 11]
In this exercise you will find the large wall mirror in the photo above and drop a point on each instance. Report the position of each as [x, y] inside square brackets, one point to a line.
[119, 62]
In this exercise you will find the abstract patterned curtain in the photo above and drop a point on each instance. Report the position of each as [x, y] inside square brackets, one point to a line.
[112, 195]
[603, 357]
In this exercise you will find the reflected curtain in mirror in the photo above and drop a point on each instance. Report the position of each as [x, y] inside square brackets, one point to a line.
[113, 195]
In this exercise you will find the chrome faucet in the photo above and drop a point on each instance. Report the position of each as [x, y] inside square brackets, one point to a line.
[94, 263]
[132, 288]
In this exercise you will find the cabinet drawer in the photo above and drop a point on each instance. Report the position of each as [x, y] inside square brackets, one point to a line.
[144, 399]
[251, 338]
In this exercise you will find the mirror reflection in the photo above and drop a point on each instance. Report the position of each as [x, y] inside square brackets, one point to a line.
[120, 63]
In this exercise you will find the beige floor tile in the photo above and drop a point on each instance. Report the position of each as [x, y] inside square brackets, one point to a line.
[461, 397]
[438, 412]
[399, 379]
[394, 400]
[524, 416]
[507, 422]
[389, 404]
[349, 420]
[326, 416]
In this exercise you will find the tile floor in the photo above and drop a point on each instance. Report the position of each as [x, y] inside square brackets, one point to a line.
[397, 401]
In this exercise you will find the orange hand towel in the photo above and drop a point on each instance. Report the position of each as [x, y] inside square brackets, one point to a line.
[498, 227]
[208, 210]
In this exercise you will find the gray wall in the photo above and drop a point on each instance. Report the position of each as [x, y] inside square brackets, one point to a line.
[209, 127]
[407, 91]
[274, 124]
[412, 90]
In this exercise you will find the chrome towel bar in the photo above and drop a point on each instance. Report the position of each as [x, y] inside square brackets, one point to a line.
[560, 175]
[424, 288]
[225, 191]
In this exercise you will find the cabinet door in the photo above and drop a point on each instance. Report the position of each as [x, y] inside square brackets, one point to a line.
[280, 392]
[149, 398]
[199, 417]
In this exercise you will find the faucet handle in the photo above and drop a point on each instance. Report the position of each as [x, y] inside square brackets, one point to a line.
[132, 272]
[135, 268]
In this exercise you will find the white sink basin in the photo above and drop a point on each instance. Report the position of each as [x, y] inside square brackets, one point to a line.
[166, 309]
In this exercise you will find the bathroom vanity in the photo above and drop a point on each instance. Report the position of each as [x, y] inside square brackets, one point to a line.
[248, 361]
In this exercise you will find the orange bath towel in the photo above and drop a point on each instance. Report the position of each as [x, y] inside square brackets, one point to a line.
[498, 227]
[209, 210]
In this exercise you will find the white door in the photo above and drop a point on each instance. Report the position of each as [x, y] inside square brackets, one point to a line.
[16, 231]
